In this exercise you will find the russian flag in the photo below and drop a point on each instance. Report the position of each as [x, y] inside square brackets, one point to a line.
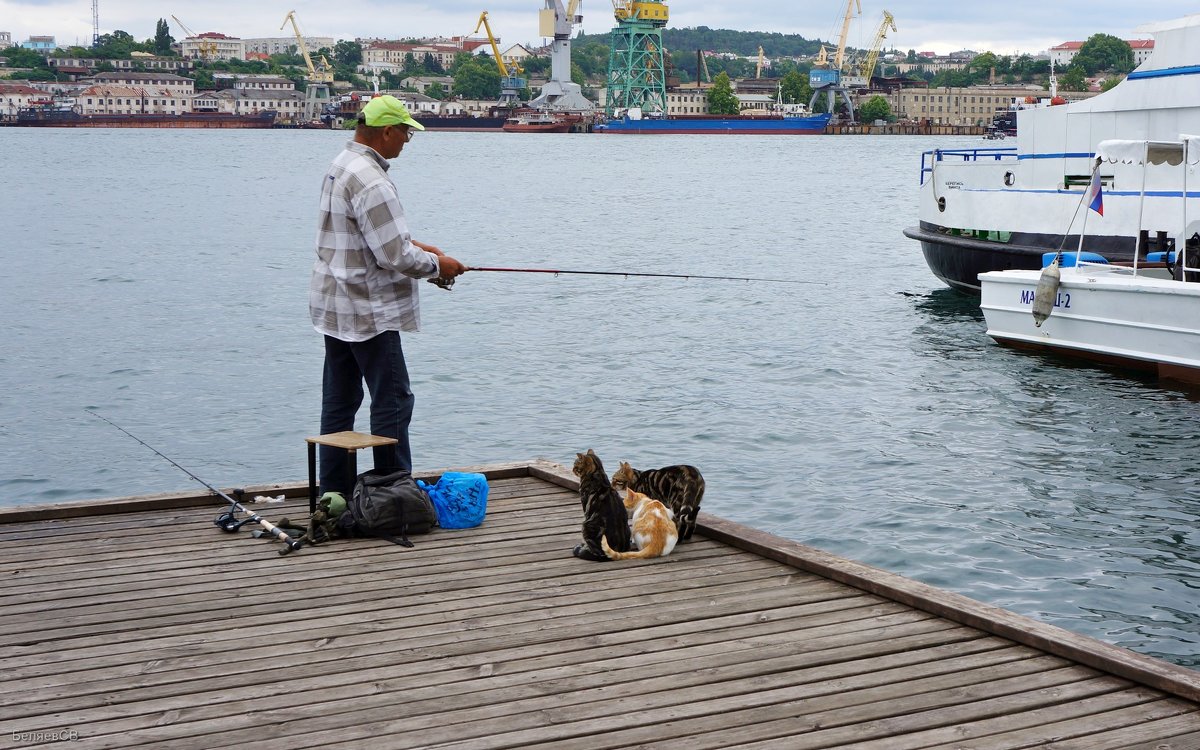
[1096, 194]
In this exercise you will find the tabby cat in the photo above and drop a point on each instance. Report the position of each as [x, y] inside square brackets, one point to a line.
[603, 512]
[653, 529]
[679, 487]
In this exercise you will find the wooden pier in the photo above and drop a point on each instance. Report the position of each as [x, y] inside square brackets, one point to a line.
[137, 622]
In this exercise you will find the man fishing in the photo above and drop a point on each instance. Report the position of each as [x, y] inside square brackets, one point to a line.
[364, 290]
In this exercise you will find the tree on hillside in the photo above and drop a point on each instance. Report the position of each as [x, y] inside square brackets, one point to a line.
[204, 80]
[162, 38]
[721, 100]
[348, 53]
[475, 78]
[535, 66]
[794, 88]
[431, 65]
[118, 45]
[1104, 52]
[19, 57]
[951, 78]
[875, 108]
[592, 59]
[982, 65]
[1073, 79]
[1108, 83]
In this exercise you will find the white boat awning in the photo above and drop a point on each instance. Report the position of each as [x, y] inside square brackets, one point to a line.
[1150, 152]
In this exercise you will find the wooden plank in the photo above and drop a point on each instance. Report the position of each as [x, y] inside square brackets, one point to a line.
[1106, 723]
[227, 653]
[1106, 657]
[434, 640]
[559, 685]
[574, 725]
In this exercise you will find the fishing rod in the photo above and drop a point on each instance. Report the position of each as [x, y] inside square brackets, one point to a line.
[227, 521]
[447, 283]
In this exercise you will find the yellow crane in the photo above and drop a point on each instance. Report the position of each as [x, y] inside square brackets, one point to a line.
[504, 69]
[511, 82]
[206, 47]
[758, 70]
[315, 75]
[646, 11]
[868, 66]
[840, 57]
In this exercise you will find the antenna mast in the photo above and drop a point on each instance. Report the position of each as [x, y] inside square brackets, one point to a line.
[95, 23]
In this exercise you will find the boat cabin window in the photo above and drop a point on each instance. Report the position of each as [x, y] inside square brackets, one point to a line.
[1083, 180]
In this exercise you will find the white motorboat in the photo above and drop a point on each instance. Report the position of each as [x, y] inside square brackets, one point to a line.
[986, 209]
[1141, 315]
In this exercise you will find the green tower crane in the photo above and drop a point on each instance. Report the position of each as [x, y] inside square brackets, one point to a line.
[636, 74]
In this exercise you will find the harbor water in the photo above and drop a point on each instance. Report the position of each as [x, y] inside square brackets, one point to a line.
[160, 278]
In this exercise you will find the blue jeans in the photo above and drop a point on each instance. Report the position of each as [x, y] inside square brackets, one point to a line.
[379, 362]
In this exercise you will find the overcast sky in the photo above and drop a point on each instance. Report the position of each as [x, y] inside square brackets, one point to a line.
[1002, 27]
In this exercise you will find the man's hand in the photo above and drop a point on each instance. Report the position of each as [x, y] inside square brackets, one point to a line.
[428, 248]
[448, 267]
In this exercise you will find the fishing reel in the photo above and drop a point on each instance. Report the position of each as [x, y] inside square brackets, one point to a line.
[228, 521]
[441, 283]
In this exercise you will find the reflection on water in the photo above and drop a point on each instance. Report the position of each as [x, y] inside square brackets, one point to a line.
[870, 416]
[948, 305]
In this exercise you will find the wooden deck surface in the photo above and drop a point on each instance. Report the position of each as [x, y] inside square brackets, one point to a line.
[154, 628]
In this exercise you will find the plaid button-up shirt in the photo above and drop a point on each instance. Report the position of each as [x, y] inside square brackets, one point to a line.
[364, 280]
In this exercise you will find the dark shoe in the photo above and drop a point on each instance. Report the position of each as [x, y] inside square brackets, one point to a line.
[583, 553]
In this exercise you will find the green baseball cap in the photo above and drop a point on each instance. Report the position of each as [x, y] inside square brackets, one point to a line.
[387, 110]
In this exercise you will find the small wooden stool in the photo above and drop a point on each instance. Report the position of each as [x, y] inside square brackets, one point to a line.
[349, 441]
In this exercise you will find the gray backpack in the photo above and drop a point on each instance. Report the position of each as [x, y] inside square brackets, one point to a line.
[387, 506]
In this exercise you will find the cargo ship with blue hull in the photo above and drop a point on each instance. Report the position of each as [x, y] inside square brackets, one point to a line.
[718, 125]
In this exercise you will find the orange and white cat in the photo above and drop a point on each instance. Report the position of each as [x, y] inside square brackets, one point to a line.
[653, 529]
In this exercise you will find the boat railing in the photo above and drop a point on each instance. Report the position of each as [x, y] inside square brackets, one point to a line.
[929, 158]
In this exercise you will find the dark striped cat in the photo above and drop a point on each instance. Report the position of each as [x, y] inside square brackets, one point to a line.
[603, 510]
[680, 488]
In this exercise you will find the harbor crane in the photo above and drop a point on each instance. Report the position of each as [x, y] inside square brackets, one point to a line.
[560, 92]
[867, 69]
[317, 94]
[206, 47]
[511, 84]
[315, 74]
[826, 77]
[636, 68]
[839, 57]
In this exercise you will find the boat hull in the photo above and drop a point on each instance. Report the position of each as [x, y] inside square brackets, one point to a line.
[814, 125]
[550, 127]
[464, 123]
[1101, 314]
[958, 260]
[72, 119]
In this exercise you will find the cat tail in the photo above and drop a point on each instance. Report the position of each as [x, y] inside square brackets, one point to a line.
[643, 554]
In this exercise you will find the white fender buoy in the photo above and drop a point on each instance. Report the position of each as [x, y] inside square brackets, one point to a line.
[1046, 293]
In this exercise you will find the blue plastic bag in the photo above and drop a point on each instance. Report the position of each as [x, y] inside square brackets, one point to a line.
[460, 499]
